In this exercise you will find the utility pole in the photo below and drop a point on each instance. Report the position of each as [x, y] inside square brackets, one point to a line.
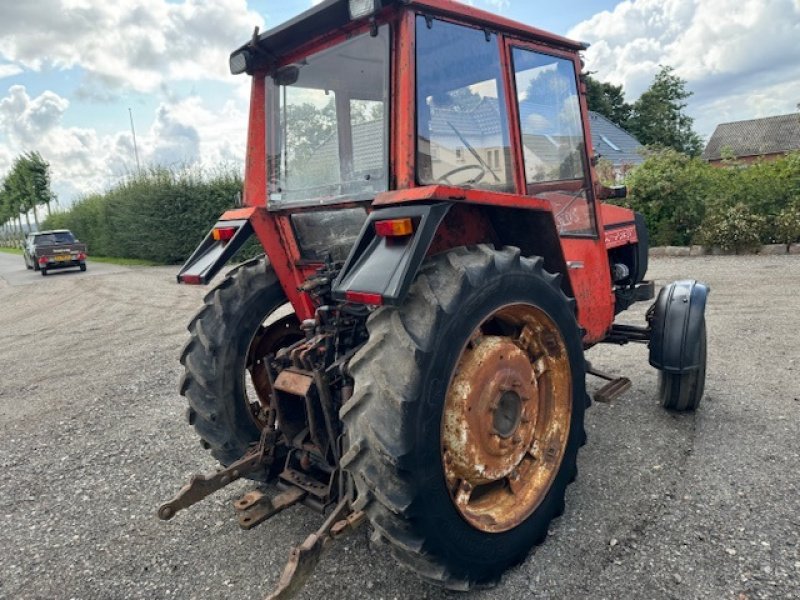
[135, 150]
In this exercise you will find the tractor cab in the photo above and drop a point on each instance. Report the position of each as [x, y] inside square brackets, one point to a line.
[358, 105]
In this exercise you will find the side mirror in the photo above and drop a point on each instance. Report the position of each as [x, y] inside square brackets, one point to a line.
[286, 76]
[613, 192]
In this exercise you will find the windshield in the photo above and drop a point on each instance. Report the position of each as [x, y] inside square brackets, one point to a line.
[52, 239]
[328, 124]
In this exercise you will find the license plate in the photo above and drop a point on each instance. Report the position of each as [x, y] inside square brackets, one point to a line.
[63, 258]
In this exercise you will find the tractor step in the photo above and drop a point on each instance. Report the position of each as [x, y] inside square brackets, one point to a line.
[612, 390]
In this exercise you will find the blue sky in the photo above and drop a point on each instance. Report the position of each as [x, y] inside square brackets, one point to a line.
[71, 69]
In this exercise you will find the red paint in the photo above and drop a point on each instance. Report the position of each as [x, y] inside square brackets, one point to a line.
[192, 279]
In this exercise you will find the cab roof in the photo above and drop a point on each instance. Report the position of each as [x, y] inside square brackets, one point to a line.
[265, 49]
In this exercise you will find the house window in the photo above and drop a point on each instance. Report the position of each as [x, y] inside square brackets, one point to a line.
[461, 116]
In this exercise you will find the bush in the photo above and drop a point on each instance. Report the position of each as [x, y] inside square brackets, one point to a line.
[787, 224]
[671, 190]
[159, 216]
[686, 200]
[736, 228]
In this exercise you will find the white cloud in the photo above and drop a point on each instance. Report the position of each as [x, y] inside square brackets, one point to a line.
[9, 70]
[138, 44]
[740, 57]
[184, 132]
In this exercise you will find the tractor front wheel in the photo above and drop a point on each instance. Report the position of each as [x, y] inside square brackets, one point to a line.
[467, 415]
[683, 392]
[225, 380]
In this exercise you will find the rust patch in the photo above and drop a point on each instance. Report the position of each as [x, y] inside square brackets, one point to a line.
[506, 419]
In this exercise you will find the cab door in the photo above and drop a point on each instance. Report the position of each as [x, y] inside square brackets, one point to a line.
[553, 142]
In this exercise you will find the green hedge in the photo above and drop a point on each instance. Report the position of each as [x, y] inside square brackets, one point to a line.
[158, 216]
[687, 201]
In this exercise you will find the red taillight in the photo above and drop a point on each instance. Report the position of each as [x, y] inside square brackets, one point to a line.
[394, 227]
[364, 298]
[192, 279]
[223, 234]
[42, 260]
[81, 256]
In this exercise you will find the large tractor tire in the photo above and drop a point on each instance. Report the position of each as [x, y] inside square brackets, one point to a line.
[225, 380]
[683, 392]
[467, 415]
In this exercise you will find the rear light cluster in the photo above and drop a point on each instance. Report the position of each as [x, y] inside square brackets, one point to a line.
[223, 234]
[394, 227]
[364, 298]
[81, 256]
[42, 260]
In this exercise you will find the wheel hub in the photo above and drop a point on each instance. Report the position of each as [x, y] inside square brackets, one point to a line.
[507, 418]
[492, 409]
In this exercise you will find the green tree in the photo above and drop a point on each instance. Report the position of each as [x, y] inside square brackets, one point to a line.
[658, 117]
[39, 179]
[608, 100]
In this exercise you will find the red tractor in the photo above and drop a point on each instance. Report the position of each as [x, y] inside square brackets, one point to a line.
[410, 351]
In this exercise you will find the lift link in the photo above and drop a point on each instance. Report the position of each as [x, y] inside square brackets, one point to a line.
[304, 558]
[202, 486]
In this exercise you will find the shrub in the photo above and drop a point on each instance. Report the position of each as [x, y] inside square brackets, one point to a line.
[787, 224]
[735, 228]
[671, 190]
[159, 216]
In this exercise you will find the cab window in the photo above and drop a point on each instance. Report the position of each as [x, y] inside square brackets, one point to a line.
[462, 128]
[552, 137]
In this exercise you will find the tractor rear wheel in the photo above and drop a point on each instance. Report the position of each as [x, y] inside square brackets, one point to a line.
[683, 392]
[225, 380]
[467, 415]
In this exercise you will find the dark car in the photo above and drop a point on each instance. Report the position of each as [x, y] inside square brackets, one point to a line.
[57, 249]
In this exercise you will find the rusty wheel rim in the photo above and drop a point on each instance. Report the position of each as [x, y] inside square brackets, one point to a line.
[271, 336]
[507, 418]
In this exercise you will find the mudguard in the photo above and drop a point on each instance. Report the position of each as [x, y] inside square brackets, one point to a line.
[211, 255]
[677, 321]
[388, 266]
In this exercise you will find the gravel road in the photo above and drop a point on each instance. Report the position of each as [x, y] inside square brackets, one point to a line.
[93, 438]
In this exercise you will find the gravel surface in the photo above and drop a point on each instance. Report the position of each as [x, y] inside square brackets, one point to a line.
[93, 438]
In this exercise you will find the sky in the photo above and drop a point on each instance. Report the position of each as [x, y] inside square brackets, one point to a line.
[74, 72]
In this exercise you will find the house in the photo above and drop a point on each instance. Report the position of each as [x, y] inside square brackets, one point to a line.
[614, 145]
[747, 141]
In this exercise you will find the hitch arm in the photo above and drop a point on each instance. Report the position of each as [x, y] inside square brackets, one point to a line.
[304, 558]
[202, 486]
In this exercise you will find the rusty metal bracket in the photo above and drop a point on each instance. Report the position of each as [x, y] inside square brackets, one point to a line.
[254, 507]
[202, 486]
[615, 387]
[304, 558]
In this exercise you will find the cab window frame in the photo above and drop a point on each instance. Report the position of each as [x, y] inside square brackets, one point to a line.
[499, 45]
[584, 183]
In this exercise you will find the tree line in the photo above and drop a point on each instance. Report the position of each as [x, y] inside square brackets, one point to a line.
[24, 189]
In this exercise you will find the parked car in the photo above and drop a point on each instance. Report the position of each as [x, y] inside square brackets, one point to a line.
[57, 249]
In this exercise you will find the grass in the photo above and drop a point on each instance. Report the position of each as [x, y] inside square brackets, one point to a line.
[127, 262]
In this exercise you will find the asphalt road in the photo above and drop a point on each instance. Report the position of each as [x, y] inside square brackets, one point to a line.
[93, 438]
